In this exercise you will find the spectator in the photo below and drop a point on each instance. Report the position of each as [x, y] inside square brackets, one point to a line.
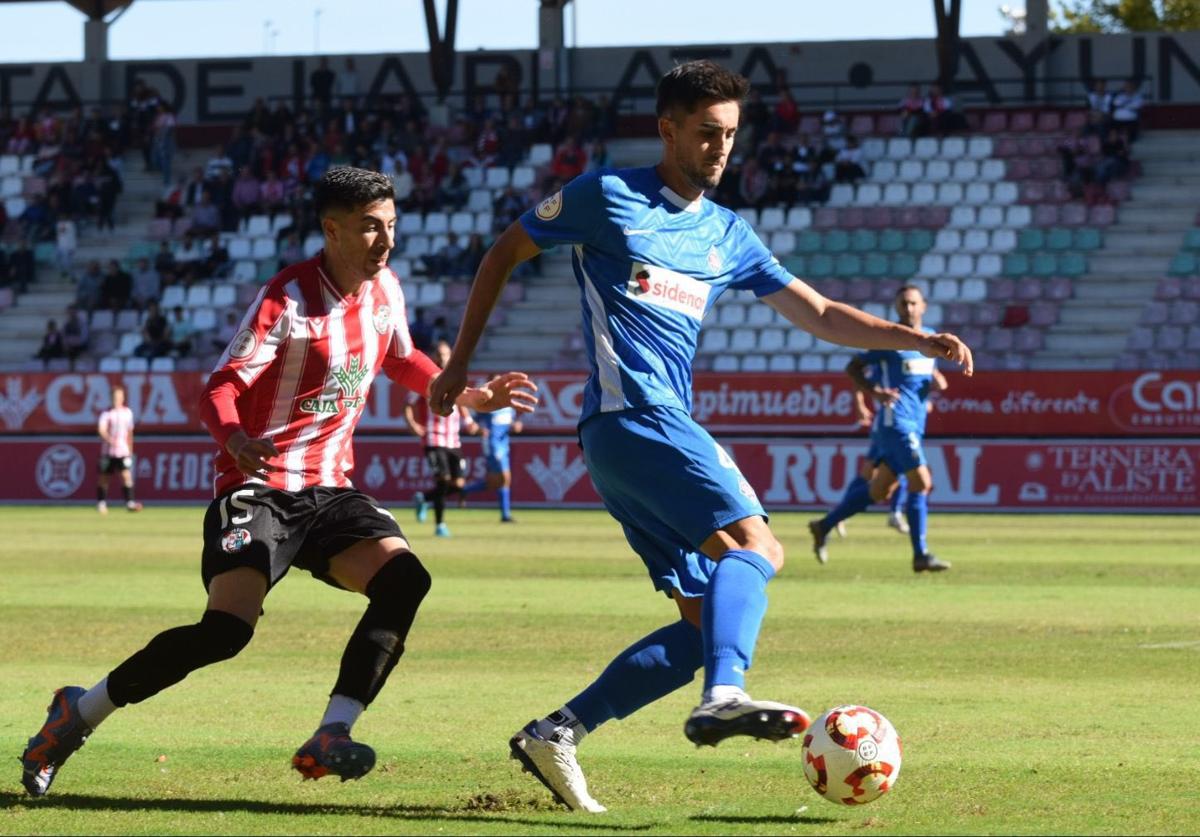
[116, 287]
[216, 263]
[805, 158]
[247, 194]
[1126, 110]
[452, 194]
[75, 333]
[815, 188]
[164, 259]
[53, 344]
[1100, 101]
[569, 161]
[402, 180]
[218, 164]
[1079, 156]
[88, 287]
[147, 284]
[942, 116]
[225, 332]
[21, 265]
[291, 251]
[321, 82]
[164, 141]
[181, 331]
[786, 115]
[420, 331]
[833, 130]
[1114, 157]
[848, 166]
[507, 208]
[598, 157]
[914, 121]
[66, 241]
[726, 193]
[156, 333]
[756, 117]
[446, 261]
[273, 195]
[754, 183]
[108, 187]
[472, 255]
[206, 216]
[347, 82]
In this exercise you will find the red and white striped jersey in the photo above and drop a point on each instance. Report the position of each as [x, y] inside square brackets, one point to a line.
[299, 369]
[117, 424]
[440, 431]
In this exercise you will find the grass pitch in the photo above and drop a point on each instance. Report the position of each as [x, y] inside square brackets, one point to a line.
[1048, 684]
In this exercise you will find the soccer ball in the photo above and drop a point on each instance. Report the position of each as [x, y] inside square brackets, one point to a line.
[851, 755]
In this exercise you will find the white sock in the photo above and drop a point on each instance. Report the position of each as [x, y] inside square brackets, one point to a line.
[95, 705]
[342, 710]
[562, 727]
[723, 694]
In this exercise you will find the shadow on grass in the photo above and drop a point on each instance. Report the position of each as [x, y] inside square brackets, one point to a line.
[78, 801]
[763, 820]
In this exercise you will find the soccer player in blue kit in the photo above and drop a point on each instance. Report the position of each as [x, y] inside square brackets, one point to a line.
[651, 256]
[495, 429]
[901, 381]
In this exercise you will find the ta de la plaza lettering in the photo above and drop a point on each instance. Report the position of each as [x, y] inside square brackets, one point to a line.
[1104, 441]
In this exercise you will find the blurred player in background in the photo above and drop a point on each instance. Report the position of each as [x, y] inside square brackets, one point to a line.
[895, 518]
[115, 428]
[902, 382]
[651, 256]
[495, 429]
[282, 405]
[442, 436]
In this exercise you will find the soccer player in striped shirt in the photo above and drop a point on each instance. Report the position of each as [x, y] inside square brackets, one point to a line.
[115, 428]
[651, 256]
[443, 449]
[282, 404]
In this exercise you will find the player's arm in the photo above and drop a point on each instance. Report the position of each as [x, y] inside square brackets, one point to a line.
[410, 418]
[940, 384]
[468, 420]
[516, 427]
[856, 371]
[102, 429]
[839, 323]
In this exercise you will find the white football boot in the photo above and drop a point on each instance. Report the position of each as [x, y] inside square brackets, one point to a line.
[898, 522]
[553, 764]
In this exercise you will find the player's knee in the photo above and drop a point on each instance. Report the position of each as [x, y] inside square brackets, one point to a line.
[403, 581]
[880, 492]
[221, 636]
[771, 549]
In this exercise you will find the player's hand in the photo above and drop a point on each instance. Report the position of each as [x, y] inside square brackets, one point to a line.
[865, 417]
[886, 397]
[512, 389]
[945, 346]
[446, 387]
[252, 456]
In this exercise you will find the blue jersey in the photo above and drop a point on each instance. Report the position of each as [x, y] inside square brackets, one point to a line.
[910, 373]
[497, 426]
[649, 265]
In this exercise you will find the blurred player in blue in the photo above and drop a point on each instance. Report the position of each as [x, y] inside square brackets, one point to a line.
[495, 429]
[651, 255]
[901, 381]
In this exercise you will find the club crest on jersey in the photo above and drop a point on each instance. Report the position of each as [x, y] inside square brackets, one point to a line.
[243, 344]
[235, 540]
[349, 379]
[548, 209]
[381, 318]
[714, 260]
[667, 289]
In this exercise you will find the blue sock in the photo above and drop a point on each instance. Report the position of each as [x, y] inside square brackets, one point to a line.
[900, 494]
[478, 485]
[918, 511]
[734, 606]
[651, 668]
[856, 499]
[505, 495]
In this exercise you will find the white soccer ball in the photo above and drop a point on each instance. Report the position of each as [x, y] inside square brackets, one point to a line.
[851, 755]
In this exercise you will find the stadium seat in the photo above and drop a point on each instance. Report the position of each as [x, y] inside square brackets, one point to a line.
[1169, 338]
[264, 248]
[9, 164]
[1045, 215]
[847, 265]
[199, 296]
[1002, 240]
[874, 148]
[725, 363]
[245, 270]
[910, 171]
[462, 223]
[497, 177]
[136, 364]
[256, 225]
[962, 216]
[980, 147]
[523, 177]
[416, 247]
[943, 290]
[731, 314]
[1001, 289]
[799, 218]
[891, 241]
[977, 194]
[1030, 239]
[837, 241]
[1016, 264]
[1005, 193]
[950, 194]
[783, 242]
[899, 148]
[436, 223]
[1043, 313]
[280, 223]
[932, 264]
[540, 154]
[483, 223]
[770, 219]
[204, 319]
[975, 241]
[781, 363]
[953, 148]
[1072, 264]
[972, 290]
[988, 265]
[868, 194]
[811, 363]
[1184, 264]
[884, 171]
[1018, 216]
[992, 170]
[129, 341]
[936, 171]
[110, 364]
[410, 224]
[162, 364]
[796, 340]
[903, 265]
[239, 248]
[714, 340]
[223, 296]
[743, 340]
[173, 295]
[842, 194]
[820, 266]
[14, 207]
[895, 194]
[948, 241]
[758, 315]
[809, 241]
[864, 241]
[1044, 264]
[158, 229]
[753, 363]
[965, 171]
[479, 200]
[825, 217]
[313, 244]
[771, 340]
[959, 265]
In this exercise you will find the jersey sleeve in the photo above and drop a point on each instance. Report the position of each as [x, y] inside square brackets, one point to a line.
[757, 270]
[569, 216]
[251, 351]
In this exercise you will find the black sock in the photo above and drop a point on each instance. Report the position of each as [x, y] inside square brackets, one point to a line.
[176, 653]
[128, 491]
[438, 498]
[395, 593]
[102, 491]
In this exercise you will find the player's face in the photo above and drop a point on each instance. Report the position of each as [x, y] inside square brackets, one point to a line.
[910, 306]
[699, 143]
[118, 397]
[364, 237]
[442, 354]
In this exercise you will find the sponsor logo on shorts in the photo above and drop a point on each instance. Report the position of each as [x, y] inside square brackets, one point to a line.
[548, 209]
[243, 345]
[668, 289]
[381, 318]
[235, 540]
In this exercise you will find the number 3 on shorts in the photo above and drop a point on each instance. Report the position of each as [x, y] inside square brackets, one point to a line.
[234, 501]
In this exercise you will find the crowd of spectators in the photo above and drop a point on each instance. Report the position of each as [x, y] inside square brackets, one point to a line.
[1100, 150]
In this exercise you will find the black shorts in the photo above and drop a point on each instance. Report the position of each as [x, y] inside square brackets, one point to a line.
[273, 530]
[115, 464]
[446, 463]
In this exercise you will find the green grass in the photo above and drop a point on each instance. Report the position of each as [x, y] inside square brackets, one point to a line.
[1047, 684]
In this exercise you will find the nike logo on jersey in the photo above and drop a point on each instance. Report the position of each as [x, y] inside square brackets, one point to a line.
[631, 231]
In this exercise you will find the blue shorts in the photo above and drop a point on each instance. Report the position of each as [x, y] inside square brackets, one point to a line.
[900, 450]
[670, 486]
[498, 463]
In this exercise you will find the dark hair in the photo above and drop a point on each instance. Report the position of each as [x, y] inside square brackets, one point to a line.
[345, 187]
[695, 81]
[905, 288]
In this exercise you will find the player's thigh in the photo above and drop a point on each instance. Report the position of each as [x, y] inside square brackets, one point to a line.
[883, 481]
[254, 527]
[668, 472]
[354, 567]
[920, 480]
[240, 592]
[691, 608]
[344, 540]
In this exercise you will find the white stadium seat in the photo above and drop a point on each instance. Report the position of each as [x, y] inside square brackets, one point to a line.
[497, 177]
[953, 148]
[884, 171]
[991, 217]
[473, 175]
[743, 340]
[130, 340]
[111, 363]
[811, 363]
[223, 296]
[204, 319]
[239, 248]
[1003, 241]
[944, 290]
[923, 194]
[979, 147]
[137, 364]
[868, 194]
[932, 264]
[966, 170]
[949, 194]
[1018, 216]
[731, 314]
[1005, 193]
[925, 148]
[978, 194]
[102, 318]
[842, 194]
[874, 148]
[936, 171]
[749, 214]
[988, 264]
[973, 290]
[313, 244]
[264, 248]
[960, 265]
[899, 148]
[410, 224]
[962, 216]
[172, 295]
[540, 154]
[798, 340]
[975, 241]
[162, 364]
[436, 223]
[257, 225]
[992, 170]
[246, 270]
[948, 241]
[799, 218]
[781, 363]
[479, 200]
[895, 194]
[758, 315]
[462, 223]
[910, 171]
[523, 177]
[754, 363]
[199, 296]
[9, 164]
[783, 242]
[771, 219]
[770, 340]
[725, 363]
[714, 341]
